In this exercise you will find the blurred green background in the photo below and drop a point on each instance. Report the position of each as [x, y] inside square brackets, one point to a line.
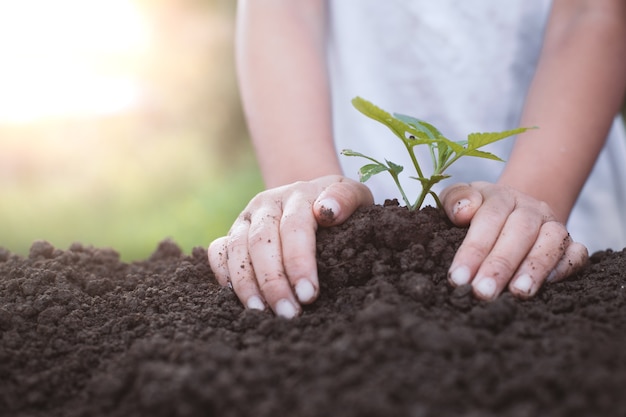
[120, 124]
[79, 163]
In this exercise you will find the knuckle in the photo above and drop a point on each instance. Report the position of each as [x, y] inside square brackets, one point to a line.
[274, 287]
[545, 208]
[234, 241]
[552, 249]
[268, 200]
[217, 250]
[555, 229]
[473, 250]
[299, 264]
[245, 217]
[557, 237]
[541, 264]
[527, 220]
[491, 211]
[537, 208]
[238, 230]
[499, 265]
[261, 231]
[291, 221]
[297, 229]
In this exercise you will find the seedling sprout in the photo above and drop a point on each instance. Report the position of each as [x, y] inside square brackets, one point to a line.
[413, 132]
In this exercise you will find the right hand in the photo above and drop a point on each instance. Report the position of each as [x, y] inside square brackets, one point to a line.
[268, 256]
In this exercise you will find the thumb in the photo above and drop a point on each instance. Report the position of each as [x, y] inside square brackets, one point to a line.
[461, 201]
[339, 200]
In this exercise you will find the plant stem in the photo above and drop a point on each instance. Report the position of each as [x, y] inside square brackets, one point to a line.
[437, 201]
[404, 197]
[414, 159]
[425, 190]
[447, 164]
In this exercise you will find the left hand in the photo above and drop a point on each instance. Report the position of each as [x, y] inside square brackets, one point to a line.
[513, 240]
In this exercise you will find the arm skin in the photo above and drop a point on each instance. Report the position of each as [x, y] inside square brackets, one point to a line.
[280, 50]
[516, 235]
[574, 97]
[268, 256]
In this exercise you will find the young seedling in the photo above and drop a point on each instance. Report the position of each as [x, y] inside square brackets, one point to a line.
[412, 132]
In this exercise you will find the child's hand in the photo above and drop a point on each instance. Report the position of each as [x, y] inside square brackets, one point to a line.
[513, 240]
[268, 256]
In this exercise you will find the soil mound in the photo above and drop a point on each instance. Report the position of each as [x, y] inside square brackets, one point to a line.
[83, 334]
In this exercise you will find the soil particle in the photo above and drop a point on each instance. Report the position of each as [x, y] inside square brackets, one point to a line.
[84, 334]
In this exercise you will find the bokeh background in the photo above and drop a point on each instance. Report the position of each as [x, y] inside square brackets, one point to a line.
[120, 124]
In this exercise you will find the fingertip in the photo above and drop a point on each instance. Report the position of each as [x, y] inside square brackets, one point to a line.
[523, 286]
[216, 248]
[327, 211]
[255, 303]
[461, 212]
[575, 258]
[286, 309]
[460, 202]
[217, 257]
[305, 291]
[581, 252]
[460, 275]
[339, 200]
[485, 288]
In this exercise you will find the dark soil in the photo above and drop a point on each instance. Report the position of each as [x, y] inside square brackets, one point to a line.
[83, 334]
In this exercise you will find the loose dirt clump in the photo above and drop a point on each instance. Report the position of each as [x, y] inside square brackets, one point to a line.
[83, 334]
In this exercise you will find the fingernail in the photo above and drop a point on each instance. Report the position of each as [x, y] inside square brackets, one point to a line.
[305, 291]
[255, 303]
[460, 205]
[329, 208]
[486, 287]
[286, 309]
[551, 276]
[460, 275]
[523, 284]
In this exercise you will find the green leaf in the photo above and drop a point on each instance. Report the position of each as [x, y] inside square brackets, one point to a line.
[350, 152]
[433, 179]
[394, 168]
[478, 140]
[482, 154]
[429, 130]
[443, 151]
[367, 171]
[398, 127]
[457, 147]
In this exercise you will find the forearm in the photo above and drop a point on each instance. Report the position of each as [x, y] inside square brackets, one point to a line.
[284, 88]
[574, 97]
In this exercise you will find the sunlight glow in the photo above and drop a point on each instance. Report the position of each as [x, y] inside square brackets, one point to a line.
[69, 57]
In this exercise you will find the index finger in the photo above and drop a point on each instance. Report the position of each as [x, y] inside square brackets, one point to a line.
[298, 228]
[481, 237]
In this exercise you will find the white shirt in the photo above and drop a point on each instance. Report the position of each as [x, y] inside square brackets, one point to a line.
[464, 67]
